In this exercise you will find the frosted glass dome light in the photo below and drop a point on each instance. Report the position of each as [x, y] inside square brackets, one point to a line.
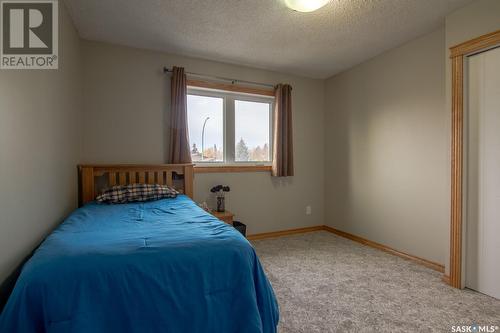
[306, 5]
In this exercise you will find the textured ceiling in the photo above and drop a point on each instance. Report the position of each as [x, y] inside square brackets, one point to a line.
[263, 33]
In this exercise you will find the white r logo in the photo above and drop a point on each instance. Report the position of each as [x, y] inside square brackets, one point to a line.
[35, 20]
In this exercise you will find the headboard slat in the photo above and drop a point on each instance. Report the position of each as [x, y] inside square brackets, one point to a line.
[122, 178]
[160, 178]
[141, 178]
[132, 177]
[112, 178]
[94, 177]
[151, 177]
[169, 178]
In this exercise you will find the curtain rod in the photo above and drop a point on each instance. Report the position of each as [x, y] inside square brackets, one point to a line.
[233, 81]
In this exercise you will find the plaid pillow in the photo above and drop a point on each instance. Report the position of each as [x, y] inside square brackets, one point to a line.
[136, 192]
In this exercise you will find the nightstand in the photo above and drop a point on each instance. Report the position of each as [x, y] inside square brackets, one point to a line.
[226, 216]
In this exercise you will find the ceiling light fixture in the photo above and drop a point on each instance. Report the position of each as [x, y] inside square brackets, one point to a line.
[306, 5]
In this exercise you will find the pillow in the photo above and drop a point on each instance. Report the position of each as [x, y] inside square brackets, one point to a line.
[136, 192]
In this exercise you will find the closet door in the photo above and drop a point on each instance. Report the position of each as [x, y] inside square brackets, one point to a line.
[483, 174]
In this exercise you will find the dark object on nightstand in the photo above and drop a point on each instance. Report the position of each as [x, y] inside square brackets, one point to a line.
[221, 206]
[220, 191]
[240, 227]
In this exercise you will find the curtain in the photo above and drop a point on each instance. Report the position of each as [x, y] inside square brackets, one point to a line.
[282, 130]
[179, 135]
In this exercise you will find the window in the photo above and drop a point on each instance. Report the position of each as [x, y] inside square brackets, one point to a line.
[251, 131]
[206, 128]
[229, 128]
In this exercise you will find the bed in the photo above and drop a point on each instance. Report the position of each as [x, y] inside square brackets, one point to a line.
[157, 266]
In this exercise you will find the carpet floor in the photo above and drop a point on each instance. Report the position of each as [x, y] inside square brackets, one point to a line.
[325, 283]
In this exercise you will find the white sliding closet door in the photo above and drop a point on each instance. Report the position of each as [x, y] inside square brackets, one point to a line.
[483, 174]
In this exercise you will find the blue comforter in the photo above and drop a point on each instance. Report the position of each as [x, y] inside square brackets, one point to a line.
[161, 266]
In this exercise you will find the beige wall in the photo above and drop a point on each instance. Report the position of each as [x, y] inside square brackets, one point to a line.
[39, 149]
[386, 149]
[478, 18]
[125, 120]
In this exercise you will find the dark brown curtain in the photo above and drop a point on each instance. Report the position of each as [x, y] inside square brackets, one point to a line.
[179, 135]
[282, 141]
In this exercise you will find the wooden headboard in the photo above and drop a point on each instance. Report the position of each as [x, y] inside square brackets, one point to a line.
[93, 178]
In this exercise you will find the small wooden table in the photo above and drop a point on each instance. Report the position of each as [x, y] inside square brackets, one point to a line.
[226, 216]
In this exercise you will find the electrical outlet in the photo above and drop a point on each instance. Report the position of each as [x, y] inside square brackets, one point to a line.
[308, 210]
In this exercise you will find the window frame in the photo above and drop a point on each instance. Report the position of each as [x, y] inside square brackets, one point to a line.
[229, 164]
[215, 94]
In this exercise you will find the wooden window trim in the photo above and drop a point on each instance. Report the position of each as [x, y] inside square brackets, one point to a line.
[230, 87]
[231, 168]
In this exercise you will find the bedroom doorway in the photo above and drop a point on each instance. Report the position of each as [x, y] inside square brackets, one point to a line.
[460, 56]
[482, 151]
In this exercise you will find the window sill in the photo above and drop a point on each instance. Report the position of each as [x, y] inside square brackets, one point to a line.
[231, 168]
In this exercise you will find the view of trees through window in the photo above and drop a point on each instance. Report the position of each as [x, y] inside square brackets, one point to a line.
[251, 131]
[243, 153]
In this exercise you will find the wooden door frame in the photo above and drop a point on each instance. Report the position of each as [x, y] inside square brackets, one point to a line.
[458, 56]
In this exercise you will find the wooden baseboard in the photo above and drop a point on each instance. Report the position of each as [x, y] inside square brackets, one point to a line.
[421, 261]
[446, 279]
[288, 232]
